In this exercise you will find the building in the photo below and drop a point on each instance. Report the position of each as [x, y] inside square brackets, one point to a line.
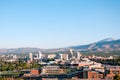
[52, 70]
[96, 65]
[78, 55]
[111, 71]
[35, 71]
[35, 56]
[39, 55]
[92, 75]
[85, 63]
[50, 79]
[51, 56]
[14, 56]
[11, 58]
[64, 57]
[73, 54]
[31, 56]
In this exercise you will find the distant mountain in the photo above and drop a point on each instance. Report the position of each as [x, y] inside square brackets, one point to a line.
[108, 44]
[19, 50]
[106, 40]
[30, 50]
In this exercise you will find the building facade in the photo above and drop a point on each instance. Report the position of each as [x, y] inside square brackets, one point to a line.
[52, 70]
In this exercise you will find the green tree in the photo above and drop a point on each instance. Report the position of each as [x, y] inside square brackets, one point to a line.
[116, 77]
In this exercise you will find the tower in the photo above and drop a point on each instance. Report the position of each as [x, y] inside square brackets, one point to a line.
[39, 55]
[31, 56]
[78, 55]
[61, 57]
[71, 52]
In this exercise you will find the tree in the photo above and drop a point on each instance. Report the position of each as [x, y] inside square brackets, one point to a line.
[116, 77]
[1, 78]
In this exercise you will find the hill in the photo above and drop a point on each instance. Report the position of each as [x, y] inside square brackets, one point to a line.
[108, 44]
[105, 45]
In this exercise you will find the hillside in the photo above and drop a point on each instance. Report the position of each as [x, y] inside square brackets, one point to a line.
[30, 50]
[108, 44]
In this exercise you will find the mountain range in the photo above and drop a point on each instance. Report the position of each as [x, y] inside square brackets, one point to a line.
[108, 44]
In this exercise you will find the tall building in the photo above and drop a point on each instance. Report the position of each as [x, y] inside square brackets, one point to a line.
[71, 52]
[64, 57]
[78, 55]
[60, 56]
[14, 56]
[39, 55]
[31, 56]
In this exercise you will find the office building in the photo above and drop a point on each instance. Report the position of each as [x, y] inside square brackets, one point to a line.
[40, 55]
[31, 56]
[52, 70]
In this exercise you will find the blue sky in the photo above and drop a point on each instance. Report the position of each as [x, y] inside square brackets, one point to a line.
[57, 23]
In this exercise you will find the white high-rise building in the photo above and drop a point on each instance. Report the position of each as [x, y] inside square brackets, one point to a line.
[31, 56]
[74, 54]
[71, 55]
[71, 51]
[60, 56]
[78, 55]
[40, 55]
[64, 57]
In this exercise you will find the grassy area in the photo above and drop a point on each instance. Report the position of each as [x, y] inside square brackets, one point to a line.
[10, 73]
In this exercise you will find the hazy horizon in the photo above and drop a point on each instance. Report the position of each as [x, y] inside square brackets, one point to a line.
[57, 24]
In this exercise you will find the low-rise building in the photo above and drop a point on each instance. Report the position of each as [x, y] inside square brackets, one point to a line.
[52, 70]
[92, 75]
[51, 56]
[50, 79]
[111, 71]
[35, 71]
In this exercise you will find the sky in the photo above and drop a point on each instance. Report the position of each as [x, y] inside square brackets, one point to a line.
[57, 23]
